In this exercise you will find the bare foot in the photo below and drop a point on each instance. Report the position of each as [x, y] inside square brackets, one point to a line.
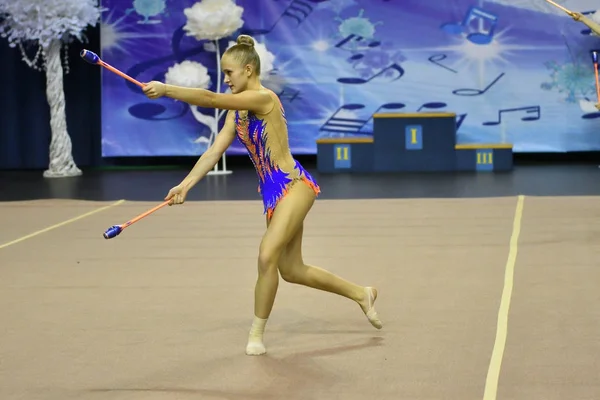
[367, 305]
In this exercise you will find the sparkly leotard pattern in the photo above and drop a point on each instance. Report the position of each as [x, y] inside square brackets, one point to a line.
[266, 141]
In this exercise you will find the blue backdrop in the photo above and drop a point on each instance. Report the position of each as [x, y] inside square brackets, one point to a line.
[516, 71]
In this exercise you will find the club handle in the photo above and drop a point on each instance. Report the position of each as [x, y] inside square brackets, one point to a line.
[93, 58]
[121, 74]
[145, 214]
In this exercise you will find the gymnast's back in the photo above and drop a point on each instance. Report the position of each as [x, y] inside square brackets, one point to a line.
[265, 137]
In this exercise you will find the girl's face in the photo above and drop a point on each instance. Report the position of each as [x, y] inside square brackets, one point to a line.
[235, 75]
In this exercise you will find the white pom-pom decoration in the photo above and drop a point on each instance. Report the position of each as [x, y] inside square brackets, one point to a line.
[194, 75]
[213, 19]
[189, 74]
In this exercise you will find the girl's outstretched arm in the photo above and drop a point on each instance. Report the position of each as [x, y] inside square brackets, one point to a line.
[252, 100]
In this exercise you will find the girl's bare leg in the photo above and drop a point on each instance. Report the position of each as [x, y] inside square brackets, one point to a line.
[294, 270]
[282, 227]
[281, 251]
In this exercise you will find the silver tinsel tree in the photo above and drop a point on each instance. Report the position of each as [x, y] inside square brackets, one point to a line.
[49, 25]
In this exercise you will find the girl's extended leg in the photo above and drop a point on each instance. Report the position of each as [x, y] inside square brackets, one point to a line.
[294, 270]
[282, 227]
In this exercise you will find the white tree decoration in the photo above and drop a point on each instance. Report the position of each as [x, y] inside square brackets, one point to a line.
[213, 20]
[50, 24]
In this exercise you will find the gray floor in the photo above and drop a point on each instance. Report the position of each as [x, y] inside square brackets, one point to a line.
[152, 185]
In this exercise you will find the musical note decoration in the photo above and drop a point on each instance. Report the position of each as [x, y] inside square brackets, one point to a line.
[365, 53]
[339, 122]
[353, 125]
[476, 92]
[460, 118]
[297, 10]
[592, 115]
[359, 81]
[368, 56]
[153, 111]
[480, 35]
[432, 106]
[289, 94]
[355, 40]
[436, 58]
[535, 110]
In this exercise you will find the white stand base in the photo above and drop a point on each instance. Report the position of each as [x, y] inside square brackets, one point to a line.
[63, 173]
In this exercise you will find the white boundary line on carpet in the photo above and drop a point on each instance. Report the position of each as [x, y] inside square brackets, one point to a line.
[61, 224]
[493, 375]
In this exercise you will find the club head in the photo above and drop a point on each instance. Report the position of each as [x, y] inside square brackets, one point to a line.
[112, 232]
[89, 56]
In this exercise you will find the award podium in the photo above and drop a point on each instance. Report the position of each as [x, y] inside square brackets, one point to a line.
[411, 142]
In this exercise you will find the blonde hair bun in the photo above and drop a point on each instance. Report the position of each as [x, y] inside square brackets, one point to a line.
[245, 40]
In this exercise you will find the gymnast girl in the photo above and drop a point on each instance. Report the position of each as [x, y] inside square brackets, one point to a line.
[255, 115]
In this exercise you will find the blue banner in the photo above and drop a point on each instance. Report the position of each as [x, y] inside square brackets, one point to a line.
[516, 71]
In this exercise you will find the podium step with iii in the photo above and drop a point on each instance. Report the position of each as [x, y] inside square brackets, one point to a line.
[484, 157]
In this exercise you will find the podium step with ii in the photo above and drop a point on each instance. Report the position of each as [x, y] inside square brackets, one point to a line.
[354, 154]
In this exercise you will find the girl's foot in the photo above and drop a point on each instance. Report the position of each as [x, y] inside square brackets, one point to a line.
[367, 305]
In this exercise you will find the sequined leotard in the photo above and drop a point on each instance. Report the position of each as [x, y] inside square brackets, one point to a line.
[266, 140]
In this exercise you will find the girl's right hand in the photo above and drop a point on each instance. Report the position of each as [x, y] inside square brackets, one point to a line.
[176, 195]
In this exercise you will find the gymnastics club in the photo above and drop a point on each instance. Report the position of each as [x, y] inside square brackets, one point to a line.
[115, 230]
[561, 7]
[93, 58]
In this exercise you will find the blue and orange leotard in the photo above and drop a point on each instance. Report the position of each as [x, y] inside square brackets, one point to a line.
[266, 140]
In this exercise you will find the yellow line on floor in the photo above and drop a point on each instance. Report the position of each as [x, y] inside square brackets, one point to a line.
[62, 224]
[491, 382]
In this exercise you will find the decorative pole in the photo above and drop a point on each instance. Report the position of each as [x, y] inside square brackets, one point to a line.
[213, 20]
